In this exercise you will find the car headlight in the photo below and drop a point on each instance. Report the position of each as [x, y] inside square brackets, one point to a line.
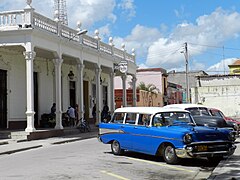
[187, 138]
[231, 136]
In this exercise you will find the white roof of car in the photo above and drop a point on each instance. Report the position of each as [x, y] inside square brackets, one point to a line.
[148, 110]
[184, 106]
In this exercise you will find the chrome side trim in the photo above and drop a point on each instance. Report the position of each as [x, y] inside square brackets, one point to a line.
[209, 142]
[103, 131]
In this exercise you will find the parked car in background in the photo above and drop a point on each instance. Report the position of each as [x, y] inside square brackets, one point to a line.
[168, 132]
[202, 116]
[230, 121]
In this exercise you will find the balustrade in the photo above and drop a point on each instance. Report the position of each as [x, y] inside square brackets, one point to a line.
[17, 18]
[11, 18]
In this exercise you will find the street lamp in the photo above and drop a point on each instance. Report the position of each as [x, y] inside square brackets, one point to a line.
[80, 31]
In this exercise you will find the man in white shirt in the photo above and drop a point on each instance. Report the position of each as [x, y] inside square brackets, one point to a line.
[71, 114]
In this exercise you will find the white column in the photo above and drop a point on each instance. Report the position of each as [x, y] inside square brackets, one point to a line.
[80, 90]
[29, 56]
[112, 92]
[134, 80]
[98, 96]
[58, 84]
[124, 100]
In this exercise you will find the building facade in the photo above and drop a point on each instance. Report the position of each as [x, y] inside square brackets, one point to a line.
[235, 67]
[174, 94]
[218, 91]
[43, 62]
[180, 79]
[155, 76]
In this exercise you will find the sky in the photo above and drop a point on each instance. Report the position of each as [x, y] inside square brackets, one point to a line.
[158, 30]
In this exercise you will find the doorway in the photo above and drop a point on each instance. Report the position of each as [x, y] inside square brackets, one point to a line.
[3, 99]
[86, 99]
[105, 95]
[72, 92]
[35, 81]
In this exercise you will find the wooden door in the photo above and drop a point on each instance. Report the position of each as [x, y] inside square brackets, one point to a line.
[3, 99]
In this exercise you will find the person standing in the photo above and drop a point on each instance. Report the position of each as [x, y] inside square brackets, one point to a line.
[105, 113]
[72, 115]
[76, 115]
[94, 113]
[53, 111]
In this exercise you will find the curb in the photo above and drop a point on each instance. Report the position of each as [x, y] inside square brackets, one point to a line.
[19, 150]
[67, 141]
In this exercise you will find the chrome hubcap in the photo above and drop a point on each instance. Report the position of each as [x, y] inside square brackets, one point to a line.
[115, 146]
[169, 153]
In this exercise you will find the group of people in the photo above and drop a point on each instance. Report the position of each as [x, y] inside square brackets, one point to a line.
[73, 117]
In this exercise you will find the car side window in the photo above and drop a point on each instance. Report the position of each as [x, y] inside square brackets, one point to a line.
[216, 113]
[144, 119]
[158, 120]
[118, 118]
[130, 118]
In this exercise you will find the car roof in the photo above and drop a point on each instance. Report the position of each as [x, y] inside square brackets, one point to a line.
[184, 106]
[148, 110]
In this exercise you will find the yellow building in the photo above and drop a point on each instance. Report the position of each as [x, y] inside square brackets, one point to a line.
[235, 67]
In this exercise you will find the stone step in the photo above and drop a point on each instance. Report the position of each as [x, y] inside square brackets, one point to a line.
[19, 135]
[5, 135]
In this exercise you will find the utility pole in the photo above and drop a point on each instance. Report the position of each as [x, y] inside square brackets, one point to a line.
[187, 79]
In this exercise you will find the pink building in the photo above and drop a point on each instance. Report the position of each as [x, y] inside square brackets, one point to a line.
[155, 76]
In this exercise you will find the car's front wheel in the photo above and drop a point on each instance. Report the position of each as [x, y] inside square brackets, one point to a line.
[169, 155]
[116, 148]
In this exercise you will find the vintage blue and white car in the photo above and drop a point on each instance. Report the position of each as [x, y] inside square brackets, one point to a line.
[167, 132]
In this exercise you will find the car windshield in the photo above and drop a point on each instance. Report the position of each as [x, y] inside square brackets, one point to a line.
[172, 118]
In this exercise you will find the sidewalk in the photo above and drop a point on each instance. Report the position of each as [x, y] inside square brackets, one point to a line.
[229, 168]
[226, 169]
[9, 146]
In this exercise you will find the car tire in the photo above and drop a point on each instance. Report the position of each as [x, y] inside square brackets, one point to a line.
[116, 148]
[169, 155]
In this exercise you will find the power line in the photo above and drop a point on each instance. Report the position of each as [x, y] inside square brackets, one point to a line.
[212, 46]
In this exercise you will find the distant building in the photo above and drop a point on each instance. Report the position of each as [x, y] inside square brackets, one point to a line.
[174, 94]
[180, 78]
[156, 76]
[219, 91]
[235, 67]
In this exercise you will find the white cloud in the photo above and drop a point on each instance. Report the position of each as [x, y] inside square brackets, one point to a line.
[104, 32]
[128, 8]
[221, 67]
[91, 11]
[140, 39]
[211, 29]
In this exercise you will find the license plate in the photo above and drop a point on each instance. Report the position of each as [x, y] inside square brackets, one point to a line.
[202, 148]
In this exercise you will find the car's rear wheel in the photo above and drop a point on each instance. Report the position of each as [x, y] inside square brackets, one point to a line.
[169, 155]
[116, 148]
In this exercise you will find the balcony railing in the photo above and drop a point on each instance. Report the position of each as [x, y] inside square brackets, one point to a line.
[23, 18]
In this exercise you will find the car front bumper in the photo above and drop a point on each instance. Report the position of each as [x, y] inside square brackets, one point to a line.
[212, 150]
